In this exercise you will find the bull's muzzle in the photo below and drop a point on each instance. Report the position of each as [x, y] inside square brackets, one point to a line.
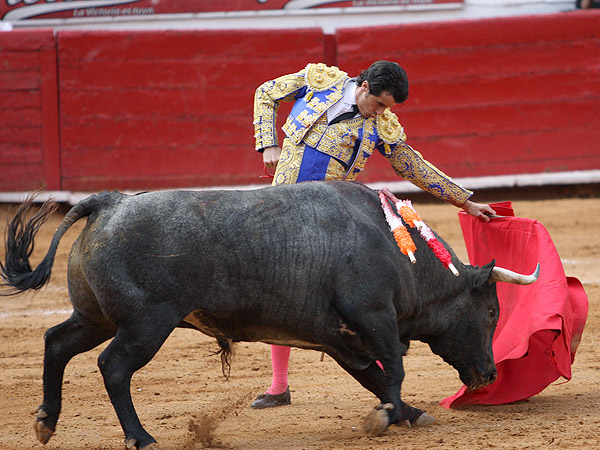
[481, 379]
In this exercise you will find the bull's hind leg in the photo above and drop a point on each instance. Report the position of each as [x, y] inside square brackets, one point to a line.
[132, 348]
[72, 337]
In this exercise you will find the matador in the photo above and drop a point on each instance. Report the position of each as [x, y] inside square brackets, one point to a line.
[335, 125]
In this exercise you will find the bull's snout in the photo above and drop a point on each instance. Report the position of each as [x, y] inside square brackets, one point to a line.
[481, 379]
[491, 377]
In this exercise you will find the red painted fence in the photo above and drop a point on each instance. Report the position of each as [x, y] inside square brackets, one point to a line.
[155, 109]
[93, 110]
[494, 96]
[29, 150]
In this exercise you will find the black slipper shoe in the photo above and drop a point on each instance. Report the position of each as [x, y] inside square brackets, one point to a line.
[270, 401]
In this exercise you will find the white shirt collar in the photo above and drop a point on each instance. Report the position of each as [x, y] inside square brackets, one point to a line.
[345, 103]
[349, 95]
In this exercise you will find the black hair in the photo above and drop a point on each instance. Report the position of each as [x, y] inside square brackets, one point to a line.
[386, 76]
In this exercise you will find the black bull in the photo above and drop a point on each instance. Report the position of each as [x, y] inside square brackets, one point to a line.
[312, 265]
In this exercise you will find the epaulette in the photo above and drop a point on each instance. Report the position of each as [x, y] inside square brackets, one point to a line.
[389, 129]
[320, 77]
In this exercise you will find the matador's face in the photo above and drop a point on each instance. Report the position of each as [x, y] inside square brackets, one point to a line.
[370, 105]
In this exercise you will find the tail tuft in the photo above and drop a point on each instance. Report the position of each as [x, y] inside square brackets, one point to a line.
[16, 272]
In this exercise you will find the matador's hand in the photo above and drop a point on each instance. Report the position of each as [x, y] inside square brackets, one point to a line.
[271, 156]
[478, 210]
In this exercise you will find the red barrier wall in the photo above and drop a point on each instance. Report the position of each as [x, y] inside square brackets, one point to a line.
[29, 152]
[160, 109]
[155, 109]
[492, 97]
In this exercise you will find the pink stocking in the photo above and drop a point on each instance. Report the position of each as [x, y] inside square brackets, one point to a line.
[279, 360]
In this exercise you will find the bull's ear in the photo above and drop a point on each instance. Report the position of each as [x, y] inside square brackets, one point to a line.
[481, 275]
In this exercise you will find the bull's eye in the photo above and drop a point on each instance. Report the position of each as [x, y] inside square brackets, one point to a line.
[492, 314]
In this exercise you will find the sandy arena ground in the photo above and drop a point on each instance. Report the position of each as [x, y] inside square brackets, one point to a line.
[184, 402]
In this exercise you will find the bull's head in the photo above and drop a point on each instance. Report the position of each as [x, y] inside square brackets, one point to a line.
[470, 321]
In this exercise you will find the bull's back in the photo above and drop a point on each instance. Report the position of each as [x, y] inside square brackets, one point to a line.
[256, 251]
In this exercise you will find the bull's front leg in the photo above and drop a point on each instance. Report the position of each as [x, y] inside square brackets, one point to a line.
[377, 330]
[386, 387]
[378, 420]
[402, 413]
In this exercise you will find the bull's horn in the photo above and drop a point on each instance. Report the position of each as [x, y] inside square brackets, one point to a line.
[508, 276]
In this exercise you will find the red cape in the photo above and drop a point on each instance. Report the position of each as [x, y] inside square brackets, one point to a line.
[540, 325]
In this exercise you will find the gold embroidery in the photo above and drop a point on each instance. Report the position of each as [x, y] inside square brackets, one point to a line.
[297, 127]
[335, 171]
[292, 131]
[271, 93]
[409, 164]
[320, 77]
[288, 166]
[366, 149]
[389, 129]
[267, 98]
[338, 140]
[336, 94]
[335, 140]
[319, 106]
[314, 134]
[307, 117]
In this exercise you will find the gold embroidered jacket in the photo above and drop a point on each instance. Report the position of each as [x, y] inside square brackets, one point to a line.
[314, 90]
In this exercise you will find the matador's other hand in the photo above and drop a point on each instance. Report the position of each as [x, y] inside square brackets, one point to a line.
[478, 210]
[271, 156]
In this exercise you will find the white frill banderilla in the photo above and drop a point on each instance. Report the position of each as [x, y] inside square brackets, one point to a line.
[408, 215]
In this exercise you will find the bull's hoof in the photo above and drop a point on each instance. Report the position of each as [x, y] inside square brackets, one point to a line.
[42, 432]
[131, 444]
[153, 446]
[424, 420]
[377, 420]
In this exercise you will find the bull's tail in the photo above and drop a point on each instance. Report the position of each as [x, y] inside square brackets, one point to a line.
[16, 272]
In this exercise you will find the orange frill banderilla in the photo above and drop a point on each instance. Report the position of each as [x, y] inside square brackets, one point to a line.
[408, 215]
